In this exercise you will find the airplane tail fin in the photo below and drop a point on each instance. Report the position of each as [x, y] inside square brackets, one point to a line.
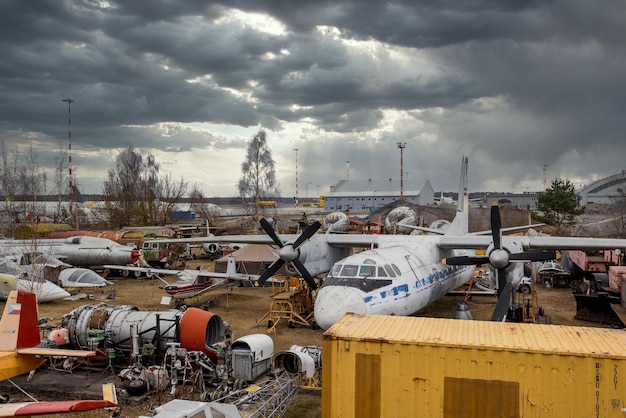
[460, 223]
[231, 266]
[19, 324]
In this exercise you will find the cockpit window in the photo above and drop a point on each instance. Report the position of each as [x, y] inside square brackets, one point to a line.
[367, 271]
[381, 272]
[336, 269]
[396, 269]
[349, 270]
[390, 271]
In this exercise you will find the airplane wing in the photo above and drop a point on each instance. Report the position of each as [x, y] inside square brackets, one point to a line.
[27, 409]
[530, 243]
[147, 270]
[192, 273]
[57, 352]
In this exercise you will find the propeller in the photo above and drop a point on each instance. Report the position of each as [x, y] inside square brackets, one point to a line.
[289, 253]
[500, 258]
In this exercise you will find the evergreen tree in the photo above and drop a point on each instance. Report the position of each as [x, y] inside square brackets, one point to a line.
[559, 205]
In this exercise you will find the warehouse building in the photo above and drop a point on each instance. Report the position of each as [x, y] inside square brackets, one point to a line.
[370, 195]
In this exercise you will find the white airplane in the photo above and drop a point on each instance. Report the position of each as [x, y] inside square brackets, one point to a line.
[191, 282]
[401, 274]
[14, 277]
[80, 251]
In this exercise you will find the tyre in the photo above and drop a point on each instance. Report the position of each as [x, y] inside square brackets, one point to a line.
[136, 387]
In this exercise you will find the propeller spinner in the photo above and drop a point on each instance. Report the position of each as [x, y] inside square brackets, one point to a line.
[289, 253]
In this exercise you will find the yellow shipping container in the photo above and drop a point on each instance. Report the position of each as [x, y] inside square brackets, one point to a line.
[393, 366]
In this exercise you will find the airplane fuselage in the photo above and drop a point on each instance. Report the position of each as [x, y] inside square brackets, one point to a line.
[78, 251]
[394, 280]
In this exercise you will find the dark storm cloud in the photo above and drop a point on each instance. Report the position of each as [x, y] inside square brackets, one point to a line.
[515, 85]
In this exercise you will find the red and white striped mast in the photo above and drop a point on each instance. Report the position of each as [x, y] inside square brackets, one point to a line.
[69, 156]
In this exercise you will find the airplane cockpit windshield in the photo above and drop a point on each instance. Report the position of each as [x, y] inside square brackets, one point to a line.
[368, 269]
[352, 274]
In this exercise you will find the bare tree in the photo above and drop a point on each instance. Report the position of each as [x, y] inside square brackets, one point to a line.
[258, 173]
[60, 184]
[32, 185]
[9, 166]
[158, 205]
[202, 207]
[135, 194]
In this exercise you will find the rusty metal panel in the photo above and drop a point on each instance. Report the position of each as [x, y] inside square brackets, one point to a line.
[435, 367]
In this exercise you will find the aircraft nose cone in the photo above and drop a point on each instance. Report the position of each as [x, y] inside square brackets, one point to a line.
[333, 302]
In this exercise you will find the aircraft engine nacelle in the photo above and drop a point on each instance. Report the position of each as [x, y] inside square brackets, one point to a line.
[211, 248]
[337, 222]
[318, 257]
[299, 360]
[195, 329]
[397, 218]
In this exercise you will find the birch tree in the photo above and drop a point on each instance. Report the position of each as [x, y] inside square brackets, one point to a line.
[258, 180]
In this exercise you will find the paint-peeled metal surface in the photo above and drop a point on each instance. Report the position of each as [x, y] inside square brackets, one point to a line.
[391, 366]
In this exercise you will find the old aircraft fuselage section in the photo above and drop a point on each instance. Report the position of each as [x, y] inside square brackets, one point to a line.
[80, 251]
[396, 280]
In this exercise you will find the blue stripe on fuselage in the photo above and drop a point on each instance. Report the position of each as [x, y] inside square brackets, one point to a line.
[419, 284]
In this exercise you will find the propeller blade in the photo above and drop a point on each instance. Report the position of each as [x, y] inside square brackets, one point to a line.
[465, 260]
[501, 281]
[496, 226]
[533, 256]
[269, 272]
[304, 273]
[270, 231]
[502, 307]
[308, 233]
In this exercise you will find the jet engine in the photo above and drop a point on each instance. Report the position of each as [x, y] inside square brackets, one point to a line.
[109, 326]
[299, 359]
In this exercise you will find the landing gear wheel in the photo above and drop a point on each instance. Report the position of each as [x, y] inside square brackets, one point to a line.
[291, 324]
[526, 289]
[125, 273]
[270, 323]
[314, 325]
[136, 387]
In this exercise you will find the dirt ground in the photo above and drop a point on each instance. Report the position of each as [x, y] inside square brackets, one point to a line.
[243, 307]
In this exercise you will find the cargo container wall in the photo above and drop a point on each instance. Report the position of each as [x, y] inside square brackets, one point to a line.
[376, 366]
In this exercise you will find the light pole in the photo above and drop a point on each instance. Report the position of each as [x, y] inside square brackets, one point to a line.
[296, 150]
[306, 189]
[402, 146]
[348, 170]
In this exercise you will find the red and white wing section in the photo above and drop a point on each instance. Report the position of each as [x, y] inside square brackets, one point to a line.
[28, 409]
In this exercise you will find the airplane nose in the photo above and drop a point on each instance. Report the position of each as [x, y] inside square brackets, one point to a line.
[333, 302]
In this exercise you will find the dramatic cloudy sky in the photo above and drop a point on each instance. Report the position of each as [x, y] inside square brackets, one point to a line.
[517, 86]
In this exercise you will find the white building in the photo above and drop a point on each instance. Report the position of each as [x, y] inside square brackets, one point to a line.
[370, 195]
[604, 191]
